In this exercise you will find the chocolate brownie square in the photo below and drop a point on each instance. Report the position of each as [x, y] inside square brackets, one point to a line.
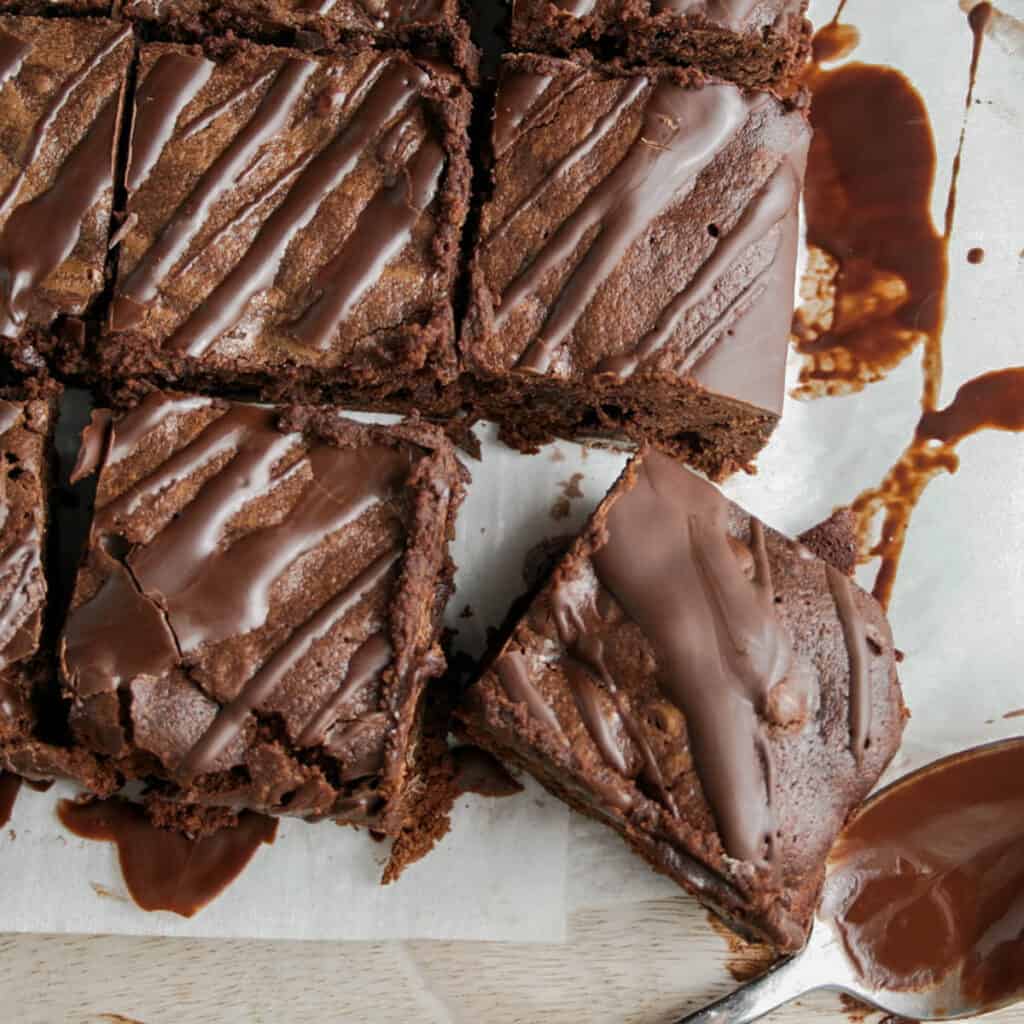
[755, 44]
[293, 224]
[634, 270]
[257, 616]
[707, 687]
[33, 718]
[429, 27]
[62, 84]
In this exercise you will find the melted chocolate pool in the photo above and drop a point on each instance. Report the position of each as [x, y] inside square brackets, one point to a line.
[928, 879]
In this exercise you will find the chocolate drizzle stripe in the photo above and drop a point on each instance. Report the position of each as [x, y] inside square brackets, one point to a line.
[764, 213]
[203, 121]
[271, 116]
[255, 692]
[381, 234]
[155, 409]
[577, 8]
[10, 415]
[187, 568]
[731, 14]
[855, 636]
[517, 94]
[283, 180]
[682, 586]
[513, 116]
[601, 730]
[22, 562]
[515, 679]
[42, 233]
[13, 52]
[257, 269]
[52, 111]
[172, 83]
[680, 133]
[602, 126]
[368, 661]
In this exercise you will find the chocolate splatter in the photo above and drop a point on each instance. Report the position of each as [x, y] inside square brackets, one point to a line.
[976, 255]
[166, 870]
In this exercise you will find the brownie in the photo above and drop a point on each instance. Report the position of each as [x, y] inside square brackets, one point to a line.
[753, 43]
[634, 271]
[292, 224]
[32, 715]
[431, 28]
[257, 615]
[61, 88]
[707, 687]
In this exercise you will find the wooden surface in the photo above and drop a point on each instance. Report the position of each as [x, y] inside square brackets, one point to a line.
[637, 953]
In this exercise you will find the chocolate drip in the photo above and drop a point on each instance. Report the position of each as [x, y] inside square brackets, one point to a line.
[381, 233]
[185, 565]
[24, 590]
[476, 771]
[10, 785]
[579, 631]
[13, 52]
[10, 415]
[270, 117]
[172, 83]
[603, 727]
[42, 233]
[100, 654]
[368, 661]
[928, 879]
[517, 95]
[92, 451]
[680, 133]
[764, 213]
[602, 126]
[515, 678]
[857, 651]
[259, 687]
[166, 870]
[993, 401]
[155, 409]
[683, 585]
[244, 92]
[52, 111]
[256, 271]
[577, 8]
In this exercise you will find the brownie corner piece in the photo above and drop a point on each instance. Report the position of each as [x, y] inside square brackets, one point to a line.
[257, 616]
[293, 223]
[634, 268]
[756, 45]
[705, 686]
[62, 83]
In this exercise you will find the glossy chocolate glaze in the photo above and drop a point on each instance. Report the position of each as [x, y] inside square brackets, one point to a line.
[928, 878]
[166, 870]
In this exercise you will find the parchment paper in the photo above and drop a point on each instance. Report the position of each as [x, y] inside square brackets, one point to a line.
[957, 610]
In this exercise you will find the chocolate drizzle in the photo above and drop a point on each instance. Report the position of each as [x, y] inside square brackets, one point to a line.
[766, 211]
[176, 584]
[393, 88]
[519, 93]
[10, 785]
[166, 870]
[172, 83]
[383, 230]
[24, 590]
[515, 678]
[259, 687]
[682, 586]
[679, 134]
[855, 634]
[928, 880]
[271, 116]
[53, 220]
[13, 52]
